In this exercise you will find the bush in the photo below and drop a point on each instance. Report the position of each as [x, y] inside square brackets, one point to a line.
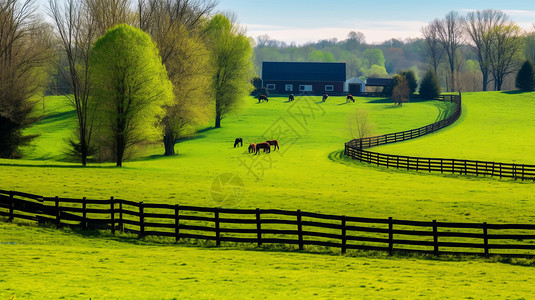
[429, 87]
[525, 78]
[411, 80]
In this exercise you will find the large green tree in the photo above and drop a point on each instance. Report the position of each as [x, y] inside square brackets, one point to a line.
[230, 55]
[131, 88]
[429, 86]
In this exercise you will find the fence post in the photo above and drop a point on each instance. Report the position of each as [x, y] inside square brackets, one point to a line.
[435, 237]
[344, 235]
[390, 236]
[300, 229]
[112, 215]
[84, 213]
[11, 206]
[217, 232]
[485, 239]
[121, 223]
[141, 220]
[258, 228]
[523, 172]
[177, 223]
[58, 215]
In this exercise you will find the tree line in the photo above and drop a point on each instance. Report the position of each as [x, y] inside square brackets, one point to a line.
[135, 73]
[478, 51]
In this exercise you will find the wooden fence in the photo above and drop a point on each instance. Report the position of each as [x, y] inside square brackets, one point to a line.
[273, 226]
[355, 150]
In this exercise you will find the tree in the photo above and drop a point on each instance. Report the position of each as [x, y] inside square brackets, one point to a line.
[479, 25]
[76, 31]
[131, 87]
[108, 13]
[435, 51]
[410, 76]
[374, 57]
[429, 86]
[359, 124]
[450, 34]
[24, 50]
[401, 92]
[505, 52]
[529, 48]
[230, 52]
[525, 78]
[176, 28]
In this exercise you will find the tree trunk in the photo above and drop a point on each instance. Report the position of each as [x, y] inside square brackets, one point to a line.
[218, 119]
[169, 144]
[485, 80]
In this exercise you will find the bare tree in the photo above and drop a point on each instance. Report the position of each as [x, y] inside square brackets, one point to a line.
[24, 50]
[76, 31]
[479, 25]
[359, 124]
[108, 13]
[506, 44]
[529, 48]
[175, 26]
[434, 47]
[401, 92]
[450, 35]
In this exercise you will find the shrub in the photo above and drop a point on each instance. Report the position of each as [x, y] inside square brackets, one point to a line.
[525, 78]
[411, 80]
[429, 87]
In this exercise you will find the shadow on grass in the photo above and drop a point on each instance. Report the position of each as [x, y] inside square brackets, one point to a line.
[73, 166]
[58, 117]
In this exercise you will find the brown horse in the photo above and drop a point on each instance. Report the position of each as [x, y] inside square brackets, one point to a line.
[252, 148]
[349, 98]
[265, 146]
[274, 143]
[263, 98]
[324, 97]
[291, 98]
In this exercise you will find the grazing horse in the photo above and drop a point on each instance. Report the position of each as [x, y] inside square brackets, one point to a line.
[252, 148]
[324, 98]
[291, 98]
[349, 98]
[263, 98]
[265, 146]
[238, 141]
[274, 143]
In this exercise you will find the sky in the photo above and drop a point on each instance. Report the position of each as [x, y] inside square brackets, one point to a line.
[303, 21]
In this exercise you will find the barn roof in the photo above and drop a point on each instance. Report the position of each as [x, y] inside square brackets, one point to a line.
[305, 71]
[379, 81]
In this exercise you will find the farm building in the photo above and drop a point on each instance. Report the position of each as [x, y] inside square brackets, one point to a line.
[354, 86]
[384, 83]
[303, 77]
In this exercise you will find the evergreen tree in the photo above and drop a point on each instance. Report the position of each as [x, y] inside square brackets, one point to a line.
[525, 78]
[429, 87]
[411, 80]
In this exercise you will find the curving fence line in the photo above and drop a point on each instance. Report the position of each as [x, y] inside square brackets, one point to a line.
[355, 149]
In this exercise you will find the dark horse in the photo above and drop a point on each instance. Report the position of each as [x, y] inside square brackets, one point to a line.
[291, 98]
[324, 97]
[252, 148]
[265, 146]
[274, 143]
[238, 141]
[349, 98]
[263, 98]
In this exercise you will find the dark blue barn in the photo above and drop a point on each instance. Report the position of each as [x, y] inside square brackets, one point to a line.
[303, 77]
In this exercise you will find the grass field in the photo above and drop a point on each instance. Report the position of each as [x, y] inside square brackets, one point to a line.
[493, 127]
[42, 263]
[308, 174]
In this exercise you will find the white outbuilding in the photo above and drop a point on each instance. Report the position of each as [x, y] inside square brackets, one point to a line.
[354, 86]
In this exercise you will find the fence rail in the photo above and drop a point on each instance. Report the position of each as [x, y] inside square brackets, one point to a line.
[273, 226]
[355, 149]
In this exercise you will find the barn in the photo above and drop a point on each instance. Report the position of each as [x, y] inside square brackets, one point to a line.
[303, 77]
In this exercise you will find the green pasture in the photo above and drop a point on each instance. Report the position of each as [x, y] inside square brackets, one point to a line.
[44, 263]
[308, 172]
[494, 126]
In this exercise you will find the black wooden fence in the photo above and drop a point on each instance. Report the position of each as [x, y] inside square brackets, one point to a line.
[273, 226]
[355, 149]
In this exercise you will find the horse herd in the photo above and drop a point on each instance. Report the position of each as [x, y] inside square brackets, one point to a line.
[291, 98]
[255, 148]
